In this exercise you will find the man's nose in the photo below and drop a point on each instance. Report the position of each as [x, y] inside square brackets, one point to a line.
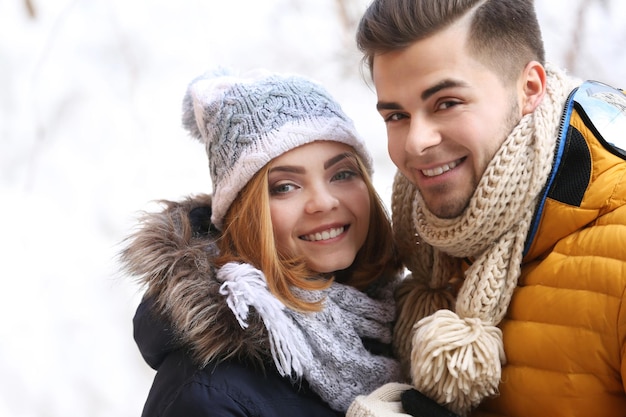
[422, 135]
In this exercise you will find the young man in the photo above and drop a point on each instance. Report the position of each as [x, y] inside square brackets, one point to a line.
[509, 208]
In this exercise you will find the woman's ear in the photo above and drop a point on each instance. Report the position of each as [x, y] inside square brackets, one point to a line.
[533, 86]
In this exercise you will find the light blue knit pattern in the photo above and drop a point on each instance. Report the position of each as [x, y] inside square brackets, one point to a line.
[245, 121]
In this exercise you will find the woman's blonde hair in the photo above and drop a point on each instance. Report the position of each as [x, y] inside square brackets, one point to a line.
[248, 237]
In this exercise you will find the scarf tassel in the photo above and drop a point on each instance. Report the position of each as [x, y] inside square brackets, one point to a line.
[455, 361]
[245, 286]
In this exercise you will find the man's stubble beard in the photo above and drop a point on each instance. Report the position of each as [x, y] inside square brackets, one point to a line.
[458, 207]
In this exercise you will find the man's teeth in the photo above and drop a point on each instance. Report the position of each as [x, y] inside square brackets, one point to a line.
[439, 170]
[325, 235]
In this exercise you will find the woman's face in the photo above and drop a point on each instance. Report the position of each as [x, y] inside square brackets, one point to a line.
[320, 205]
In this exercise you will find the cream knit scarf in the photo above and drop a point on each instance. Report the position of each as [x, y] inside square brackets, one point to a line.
[454, 346]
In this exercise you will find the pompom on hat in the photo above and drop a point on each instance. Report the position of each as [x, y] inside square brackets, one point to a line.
[246, 120]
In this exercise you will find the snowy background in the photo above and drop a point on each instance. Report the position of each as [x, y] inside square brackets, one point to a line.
[90, 134]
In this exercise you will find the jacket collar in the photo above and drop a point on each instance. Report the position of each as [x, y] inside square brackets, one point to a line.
[585, 161]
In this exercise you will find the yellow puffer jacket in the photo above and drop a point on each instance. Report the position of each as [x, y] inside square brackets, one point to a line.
[565, 331]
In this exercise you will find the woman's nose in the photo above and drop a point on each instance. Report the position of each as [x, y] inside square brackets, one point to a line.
[320, 199]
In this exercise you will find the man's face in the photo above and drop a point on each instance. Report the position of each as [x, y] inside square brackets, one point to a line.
[446, 115]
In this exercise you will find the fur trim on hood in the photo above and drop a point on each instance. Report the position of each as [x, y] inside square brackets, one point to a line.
[171, 255]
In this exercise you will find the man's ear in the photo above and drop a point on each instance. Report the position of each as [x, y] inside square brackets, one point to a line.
[533, 86]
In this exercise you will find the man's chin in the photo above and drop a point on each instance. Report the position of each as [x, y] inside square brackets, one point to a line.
[447, 209]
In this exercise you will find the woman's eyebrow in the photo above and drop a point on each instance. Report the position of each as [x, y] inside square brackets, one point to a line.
[300, 170]
[335, 159]
[287, 168]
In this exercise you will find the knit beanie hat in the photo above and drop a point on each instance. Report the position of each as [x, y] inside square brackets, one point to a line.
[246, 120]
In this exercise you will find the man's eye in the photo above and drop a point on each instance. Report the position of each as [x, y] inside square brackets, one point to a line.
[447, 104]
[394, 117]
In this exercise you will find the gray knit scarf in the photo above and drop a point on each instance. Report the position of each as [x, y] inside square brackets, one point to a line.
[454, 346]
[325, 348]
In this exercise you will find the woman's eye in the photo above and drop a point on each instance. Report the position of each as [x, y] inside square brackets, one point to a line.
[282, 188]
[344, 175]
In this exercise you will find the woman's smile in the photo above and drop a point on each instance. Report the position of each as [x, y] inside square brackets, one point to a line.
[324, 235]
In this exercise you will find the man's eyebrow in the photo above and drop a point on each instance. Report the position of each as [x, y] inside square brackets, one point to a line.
[442, 85]
[426, 94]
[387, 105]
[335, 159]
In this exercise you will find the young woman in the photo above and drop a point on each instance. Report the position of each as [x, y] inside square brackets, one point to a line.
[274, 295]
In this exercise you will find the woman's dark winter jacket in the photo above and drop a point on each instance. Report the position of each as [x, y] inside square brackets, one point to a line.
[228, 388]
[207, 363]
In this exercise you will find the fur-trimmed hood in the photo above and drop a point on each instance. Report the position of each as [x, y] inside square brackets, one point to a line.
[171, 255]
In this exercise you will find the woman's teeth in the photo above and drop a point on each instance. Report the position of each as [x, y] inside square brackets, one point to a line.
[439, 170]
[325, 235]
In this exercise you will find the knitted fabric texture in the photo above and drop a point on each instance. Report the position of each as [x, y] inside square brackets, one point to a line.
[326, 347]
[453, 345]
[246, 121]
[383, 402]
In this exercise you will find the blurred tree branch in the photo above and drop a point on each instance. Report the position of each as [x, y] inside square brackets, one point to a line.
[573, 53]
[30, 8]
[349, 13]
